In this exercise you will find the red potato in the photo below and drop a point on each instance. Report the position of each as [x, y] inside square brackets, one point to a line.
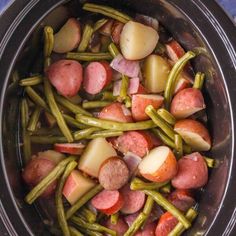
[68, 37]
[141, 101]
[194, 134]
[108, 202]
[141, 89]
[116, 31]
[148, 230]
[187, 102]
[96, 76]
[116, 112]
[70, 148]
[137, 142]
[166, 224]
[159, 165]
[120, 227]
[182, 83]
[76, 186]
[113, 173]
[66, 76]
[133, 200]
[174, 50]
[192, 172]
[106, 29]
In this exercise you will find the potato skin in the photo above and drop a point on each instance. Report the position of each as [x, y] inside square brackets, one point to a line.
[192, 172]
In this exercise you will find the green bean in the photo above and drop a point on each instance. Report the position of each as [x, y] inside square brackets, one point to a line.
[113, 50]
[95, 226]
[24, 110]
[124, 87]
[150, 111]
[48, 41]
[47, 62]
[95, 104]
[128, 102]
[178, 145]
[114, 218]
[210, 162]
[173, 75]
[89, 232]
[58, 198]
[89, 56]
[113, 125]
[166, 116]
[72, 122]
[107, 11]
[85, 198]
[105, 134]
[199, 80]
[86, 36]
[166, 188]
[138, 184]
[34, 80]
[56, 112]
[179, 228]
[76, 109]
[34, 119]
[148, 207]
[99, 24]
[88, 214]
[108, 96]
[84, 133]
[166, 140]
[46, 181]
[163, 202]
[74, 231]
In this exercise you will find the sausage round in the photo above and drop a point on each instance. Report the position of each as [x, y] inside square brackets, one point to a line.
[113, 174]
[70, 148]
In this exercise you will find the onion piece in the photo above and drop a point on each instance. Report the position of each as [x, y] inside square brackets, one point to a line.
[132, 160]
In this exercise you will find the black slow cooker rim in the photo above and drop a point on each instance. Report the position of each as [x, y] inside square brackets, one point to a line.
[14, 17]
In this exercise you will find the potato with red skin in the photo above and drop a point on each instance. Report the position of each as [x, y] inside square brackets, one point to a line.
[174, 50]
[141, 101]
[97, 75]
[187, 102]
[192, 172]
[194, 134]
[183, 82]
[159, 165]
[120, 227]
[66, 76]
[116, 112]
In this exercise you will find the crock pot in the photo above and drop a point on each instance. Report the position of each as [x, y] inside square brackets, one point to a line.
[195, 24]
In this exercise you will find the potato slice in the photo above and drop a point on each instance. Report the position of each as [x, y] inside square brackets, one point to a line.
[137, 40]
[97, 151]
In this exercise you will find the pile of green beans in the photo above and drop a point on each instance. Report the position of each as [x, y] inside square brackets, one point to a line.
[31, 81]
[86, 36]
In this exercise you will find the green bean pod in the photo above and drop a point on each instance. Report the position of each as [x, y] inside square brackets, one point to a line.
[48, 41]
[34, 80]
[89, 232]
[163, 202]
[58, 199]
[95, 104]
[34, 119]
[85, 198]
[173, 75]
[74, 123]
[166, 116]
[98, 24]
[199, 80]
[124, 87]
[104, 134]
[74, 231]
[86, 36]
[114, 218]
[88, 56]
[113, 50]
[107, 11]
[178, 145]
[113, 125]
[84, 133]
[108, 96]
[46, 181]
[88, 214]
[166, 188]
[210, 162]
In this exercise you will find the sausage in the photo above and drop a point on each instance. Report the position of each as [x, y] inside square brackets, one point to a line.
[182, 199]
[116, 112]
[66, 76]
[70, 148]
[192, 172]
[137, 142]
[166, 224]
[113, 173]
[120, 227]
[96, 76]
[116, 31]
[133, 200]
[108, 202]
[148, 230]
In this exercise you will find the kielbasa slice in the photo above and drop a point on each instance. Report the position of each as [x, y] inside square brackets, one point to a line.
[70, 148]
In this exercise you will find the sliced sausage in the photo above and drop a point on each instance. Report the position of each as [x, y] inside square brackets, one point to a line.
[148, 230]
[96, 76]
[120, 227]
[66, 76]
[192, 172]
[137, 142]
[133, 200]
[113, 173]
[108, 202]
[70, 148]
[116, 31]
[116, 112]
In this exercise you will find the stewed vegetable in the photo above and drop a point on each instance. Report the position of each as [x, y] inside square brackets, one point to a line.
[117, 119]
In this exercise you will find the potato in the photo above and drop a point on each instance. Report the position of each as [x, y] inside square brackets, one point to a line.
[186, 103]
[96, 152]
[156, 71]
[68, 37]
[76, 186]
[192, 172]
[137, 40]
[194, 134]
[159, 165]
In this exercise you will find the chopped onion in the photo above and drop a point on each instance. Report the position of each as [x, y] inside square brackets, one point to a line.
[132, 160]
